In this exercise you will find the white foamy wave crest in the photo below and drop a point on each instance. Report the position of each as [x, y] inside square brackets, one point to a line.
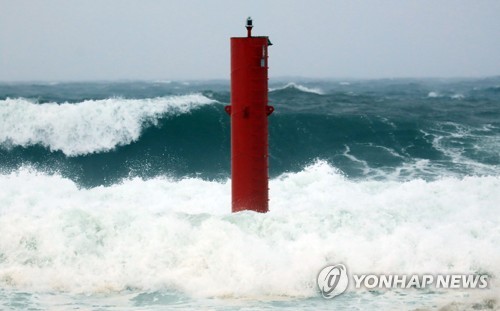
[433, 94]
[299, 87]
[457, 96]
[458, 141]
[89, 126]
[180, 235]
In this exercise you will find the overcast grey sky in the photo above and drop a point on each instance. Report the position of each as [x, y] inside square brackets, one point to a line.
[56, 40]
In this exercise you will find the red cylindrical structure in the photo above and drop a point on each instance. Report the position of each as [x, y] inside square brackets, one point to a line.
[249, 126]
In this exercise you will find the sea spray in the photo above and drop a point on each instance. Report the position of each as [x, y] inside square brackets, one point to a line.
[89, 126]
[166, 234]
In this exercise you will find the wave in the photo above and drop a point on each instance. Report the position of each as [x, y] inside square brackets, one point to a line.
[434, 94]
[457, 96]
[178, 235]
[299, 87]
[89, 126]
[368, 147]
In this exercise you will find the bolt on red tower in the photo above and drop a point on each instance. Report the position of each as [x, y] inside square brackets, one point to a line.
[249, 129]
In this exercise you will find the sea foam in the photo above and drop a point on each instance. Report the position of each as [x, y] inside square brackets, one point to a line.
[180, 235]
[293, 85]
[86, 127]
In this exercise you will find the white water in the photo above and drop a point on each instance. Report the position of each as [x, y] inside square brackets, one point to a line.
[299, 87]
[179, 235]
[433, 94]
[89, 126]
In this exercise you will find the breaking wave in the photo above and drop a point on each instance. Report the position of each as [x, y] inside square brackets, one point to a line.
[161, 233]
[299, 87]
[89, 126]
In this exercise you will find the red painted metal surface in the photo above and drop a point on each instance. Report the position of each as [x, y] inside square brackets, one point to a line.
[249, 124]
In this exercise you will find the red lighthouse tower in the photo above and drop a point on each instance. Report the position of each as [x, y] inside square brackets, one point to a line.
[249, 125]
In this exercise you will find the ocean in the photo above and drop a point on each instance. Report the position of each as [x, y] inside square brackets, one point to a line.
[116, 195]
